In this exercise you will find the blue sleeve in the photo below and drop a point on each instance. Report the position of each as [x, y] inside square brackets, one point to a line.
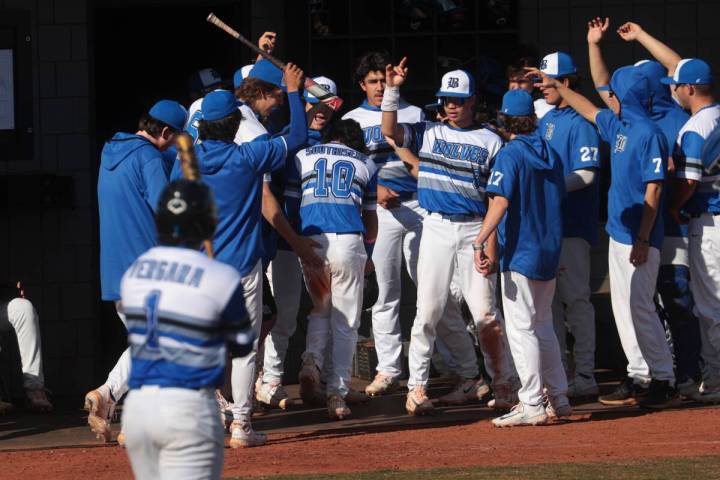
[169, 157]
[266, 156]
[585, 145]
[503, 178]
[176, 172]
[607, 124]
[297, 137]
[413, 136]
[654, 159]
[236, 325]
[711, 150]
[688, 158]
[370, 194]
[154, 178]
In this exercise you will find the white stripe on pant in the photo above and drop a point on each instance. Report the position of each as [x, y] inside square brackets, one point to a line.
[642, 335]
[705, 287]
[529, 324]
[173, 434]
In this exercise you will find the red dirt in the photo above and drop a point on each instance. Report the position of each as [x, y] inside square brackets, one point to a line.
[656, 435]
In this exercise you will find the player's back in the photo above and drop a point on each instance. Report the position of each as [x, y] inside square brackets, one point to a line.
[336, 181]
[175, 300]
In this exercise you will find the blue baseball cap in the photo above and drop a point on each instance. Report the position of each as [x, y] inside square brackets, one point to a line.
[218, 104]
[325, 83]
[170, 112]
[692, 71]
[517, 103]
[558, 64]
[457, 83]
[204, 80]
[266, 71]
[241, 74]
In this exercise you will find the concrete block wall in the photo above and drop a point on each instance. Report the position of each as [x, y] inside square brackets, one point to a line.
[53, 251]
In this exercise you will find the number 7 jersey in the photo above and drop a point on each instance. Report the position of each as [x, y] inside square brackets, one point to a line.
[335, 184]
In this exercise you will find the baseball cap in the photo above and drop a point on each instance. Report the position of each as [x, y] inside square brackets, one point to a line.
[218, 104]
[204, 80]
[266, 71]
[325, 83]
[241, 74]
[457, 83]
[517, 103]
[170, 112]
[692, 71]
[558, 64]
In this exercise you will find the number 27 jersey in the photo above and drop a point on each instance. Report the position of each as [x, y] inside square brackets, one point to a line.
[336, 183]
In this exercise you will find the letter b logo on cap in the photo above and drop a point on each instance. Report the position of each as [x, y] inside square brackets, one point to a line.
[453, 82]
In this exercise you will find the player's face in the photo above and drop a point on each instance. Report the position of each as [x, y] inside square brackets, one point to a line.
[264, 105]
[520, 83]
[680, 91]
[320, 118]
[551, 95]
[374, 85]
[459, 111]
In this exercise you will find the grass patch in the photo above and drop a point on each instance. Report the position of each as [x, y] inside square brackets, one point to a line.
[695, 468]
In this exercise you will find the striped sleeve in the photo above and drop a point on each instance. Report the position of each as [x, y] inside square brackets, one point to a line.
[688, 156]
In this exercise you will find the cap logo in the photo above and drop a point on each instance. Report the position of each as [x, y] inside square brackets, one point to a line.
[453, 82]
[620, 142]
[326, 87]
[177, 205]
[549, 131]
[543, 64]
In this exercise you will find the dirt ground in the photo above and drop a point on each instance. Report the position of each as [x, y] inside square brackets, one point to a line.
[603, 437]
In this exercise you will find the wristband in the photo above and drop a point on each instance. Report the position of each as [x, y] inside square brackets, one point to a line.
[479, 247]
[643, 241]
[391, 99]
[369, 247]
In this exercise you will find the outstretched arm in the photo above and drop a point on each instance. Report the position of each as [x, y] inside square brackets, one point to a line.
[411, 161]
[579, 103]
[598, 70]
[667, 56]
[394, 77]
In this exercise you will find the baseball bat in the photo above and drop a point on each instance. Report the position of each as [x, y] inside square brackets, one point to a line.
[191, 171]
[333, 101]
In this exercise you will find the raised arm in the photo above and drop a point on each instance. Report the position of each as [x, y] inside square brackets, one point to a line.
[394, 77]
[579, 103]
[598, 70]
[667, 56]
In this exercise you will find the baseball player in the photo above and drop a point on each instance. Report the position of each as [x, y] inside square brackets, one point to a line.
[455, 159]
[337, 210]
[129, 184]
[527, 187]
[399, 231]
[575, 141]
[638, 162]
[292, 248]
[516, 79]
[234, 173]
[691, 83]
[185, 312]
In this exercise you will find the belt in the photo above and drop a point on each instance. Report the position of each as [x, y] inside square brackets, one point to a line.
[406, 196]
[458, 217]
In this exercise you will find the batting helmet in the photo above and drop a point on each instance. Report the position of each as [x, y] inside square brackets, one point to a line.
[185, 214]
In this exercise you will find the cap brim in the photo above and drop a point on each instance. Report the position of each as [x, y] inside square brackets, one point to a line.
[433, 106]
[668, 81]
[440, 93]
[604, 88]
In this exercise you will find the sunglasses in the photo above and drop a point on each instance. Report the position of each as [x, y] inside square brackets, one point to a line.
[460, 101]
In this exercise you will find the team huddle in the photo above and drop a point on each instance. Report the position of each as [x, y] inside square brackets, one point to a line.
[323, 203]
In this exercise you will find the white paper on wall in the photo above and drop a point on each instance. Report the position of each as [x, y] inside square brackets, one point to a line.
[7, 91]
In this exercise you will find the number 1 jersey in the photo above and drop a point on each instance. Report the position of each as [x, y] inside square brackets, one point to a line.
[335, 183]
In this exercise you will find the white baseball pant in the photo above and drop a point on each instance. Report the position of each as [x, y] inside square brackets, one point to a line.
[527, 304]
[242, 377]
[118, 377]
[173, 434]
[335, 317]
[24, 319]
[286, 285]
[705, 287]
[399, 233]
[642, 335]
[572, 306]
[446, 254]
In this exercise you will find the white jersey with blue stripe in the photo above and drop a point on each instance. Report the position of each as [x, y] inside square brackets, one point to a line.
[182, 309]
[336, 183]
[250, 129]
[392, 171]
[454, 166]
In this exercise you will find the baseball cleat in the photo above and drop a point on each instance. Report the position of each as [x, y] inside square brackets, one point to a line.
[627, 393]
[505, 397]
[418, 403]
[355, 397]
[242, 435]
[273, 395]
[522, 415]
[121, 438]
[707, 395]
[688, 389]
[37, 400]
[467, 390]
[557, 406]
[660, 395]
[337, 408]
[100, 408]
[382, 385]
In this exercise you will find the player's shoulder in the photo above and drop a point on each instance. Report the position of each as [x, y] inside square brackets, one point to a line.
[703, 122]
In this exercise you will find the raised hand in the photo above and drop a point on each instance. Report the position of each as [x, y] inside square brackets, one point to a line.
[395, 76]
[629, 31]
[546, 82]
[267, 41]
[596, 29]
[294, 77]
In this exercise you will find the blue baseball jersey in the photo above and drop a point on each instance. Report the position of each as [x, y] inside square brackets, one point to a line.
[250, 129]
[234, 173]
[182, 309]
[392, 171]
[687, 155]
[576, 142]
[130, 181]
[454, 166]
[530, 176]
[638, 156]
[336, 183]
